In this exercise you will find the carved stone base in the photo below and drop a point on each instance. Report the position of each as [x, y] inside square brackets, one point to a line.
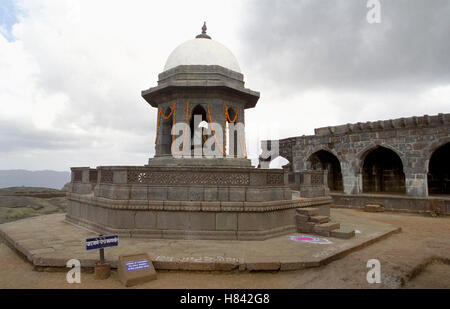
[187, 219]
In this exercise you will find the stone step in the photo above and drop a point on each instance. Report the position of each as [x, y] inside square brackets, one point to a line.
[308, 211]
[344, 233]
[301, 218]
[374, 208]
[319, 219]
[305, 227]
[324, 229]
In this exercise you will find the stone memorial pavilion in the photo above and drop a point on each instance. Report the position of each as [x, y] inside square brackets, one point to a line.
[200, 183]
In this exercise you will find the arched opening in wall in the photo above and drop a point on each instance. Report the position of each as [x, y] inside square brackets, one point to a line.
[439, 171]
[197, 134]
[166, 132]
[325, 160]
[383, 172]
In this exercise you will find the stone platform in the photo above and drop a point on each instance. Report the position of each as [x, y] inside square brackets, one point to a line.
[185, 202]
[50, 241]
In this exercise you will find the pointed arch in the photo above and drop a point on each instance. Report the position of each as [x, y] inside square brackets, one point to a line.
[438, 176]
[326, 160]
[382, 171]
[362, 154]
[197, 133]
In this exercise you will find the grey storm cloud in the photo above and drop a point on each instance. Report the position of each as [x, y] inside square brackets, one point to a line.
[19, 137]
[317, 43]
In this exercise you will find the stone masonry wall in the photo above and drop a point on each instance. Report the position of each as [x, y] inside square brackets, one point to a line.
[413, 139]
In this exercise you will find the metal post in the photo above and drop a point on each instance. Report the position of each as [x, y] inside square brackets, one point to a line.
[102, 256]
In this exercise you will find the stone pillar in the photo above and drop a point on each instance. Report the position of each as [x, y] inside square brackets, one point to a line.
[325, 177]
[311, 183]
[351, 178]
[218, 118]
[81, 180]
[416, 184]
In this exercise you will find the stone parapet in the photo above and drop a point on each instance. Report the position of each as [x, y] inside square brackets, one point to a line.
[429, 206]
[381, 125]
[184, 184]
[83, 180]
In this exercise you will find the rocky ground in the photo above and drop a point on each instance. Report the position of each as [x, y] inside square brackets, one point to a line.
[418, 257]
[23, 202]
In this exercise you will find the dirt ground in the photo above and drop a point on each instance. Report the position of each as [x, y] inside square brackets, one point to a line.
[418, 257]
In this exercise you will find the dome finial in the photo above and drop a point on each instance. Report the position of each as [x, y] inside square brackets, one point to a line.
[203, 35]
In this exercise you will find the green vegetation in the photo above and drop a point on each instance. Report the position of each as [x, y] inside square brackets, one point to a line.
[19, 203]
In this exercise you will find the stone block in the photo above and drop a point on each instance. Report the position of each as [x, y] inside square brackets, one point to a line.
[137, 233]
[305, 227]
[232, 206]
[211, 194]
[256, 195]
[223, 194]
[226, 221]
[144, 271]
[276, 194]
[258, 179]
[258, 265]
[83, 211]
[319, 219]
[101, 215]
[107, 191]
[191, 205]
[74, 209]
[138, 204]
[172, 220]
[139, 193]
[210, 206]
[120, 177]
[145, 220]
[202, 221]
[253, 221]
[307, 211]
[121, 219]
[196, 194]
[155, 205]
[374, 208]
[324, 209]
[177, 194]
[343, 233]
[157, 193]
[172, 205]
[237, 194]
[287, 194]
[325, 227]
[121, 193]
[301, 218]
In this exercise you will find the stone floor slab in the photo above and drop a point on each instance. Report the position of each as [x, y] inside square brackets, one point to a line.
[29, 237]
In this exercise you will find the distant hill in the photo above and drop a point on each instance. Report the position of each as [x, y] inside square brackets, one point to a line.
[23, 202]
[47, 179]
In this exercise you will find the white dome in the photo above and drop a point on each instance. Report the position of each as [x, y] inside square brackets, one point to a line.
[201, 51]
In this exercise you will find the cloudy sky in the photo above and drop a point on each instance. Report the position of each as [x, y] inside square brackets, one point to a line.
[71, 72]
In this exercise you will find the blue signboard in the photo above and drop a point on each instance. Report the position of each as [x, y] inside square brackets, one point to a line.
[137, 265]
[101, 242]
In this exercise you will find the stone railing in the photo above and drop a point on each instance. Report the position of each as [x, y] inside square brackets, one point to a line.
[182, 183]
[311, 183]
[173, 176]
[83, 180]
